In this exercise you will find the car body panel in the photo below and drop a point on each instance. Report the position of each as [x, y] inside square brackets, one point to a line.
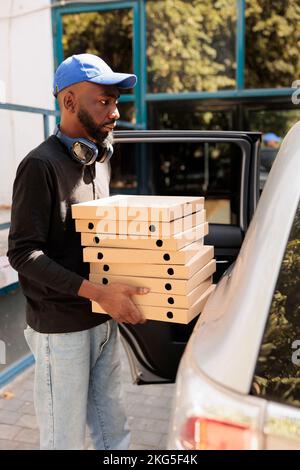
[282, 427]
[197, 395]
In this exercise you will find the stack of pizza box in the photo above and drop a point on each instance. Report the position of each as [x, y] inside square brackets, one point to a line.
[154, 242]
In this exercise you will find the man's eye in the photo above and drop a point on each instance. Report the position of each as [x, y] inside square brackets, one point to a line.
[105, 102]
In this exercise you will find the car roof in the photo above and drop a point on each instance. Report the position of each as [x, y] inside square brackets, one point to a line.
[226, 340]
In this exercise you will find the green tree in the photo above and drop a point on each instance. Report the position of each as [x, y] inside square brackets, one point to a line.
[107, 34]
[191, 45]
[272, 43]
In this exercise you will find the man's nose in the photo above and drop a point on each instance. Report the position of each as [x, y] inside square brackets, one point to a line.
[114, 114]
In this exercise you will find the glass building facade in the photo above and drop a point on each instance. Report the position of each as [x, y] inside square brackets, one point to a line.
[201, 64]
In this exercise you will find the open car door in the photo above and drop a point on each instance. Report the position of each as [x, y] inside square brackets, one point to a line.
[224, 168]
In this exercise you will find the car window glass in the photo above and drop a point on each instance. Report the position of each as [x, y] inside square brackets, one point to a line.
[212, 170]
[277, 373]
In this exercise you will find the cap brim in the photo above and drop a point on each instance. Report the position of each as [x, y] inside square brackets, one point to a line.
[121, 80]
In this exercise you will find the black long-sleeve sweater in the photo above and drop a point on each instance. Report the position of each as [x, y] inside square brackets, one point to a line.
[43, 245]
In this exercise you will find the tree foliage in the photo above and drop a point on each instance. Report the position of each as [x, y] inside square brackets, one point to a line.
[272, 43]
[191, 43]
[278, 121]
[191, 46]
[107, 34]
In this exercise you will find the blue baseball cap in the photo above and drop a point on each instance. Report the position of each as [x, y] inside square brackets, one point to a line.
[89, 68]
[271, 136]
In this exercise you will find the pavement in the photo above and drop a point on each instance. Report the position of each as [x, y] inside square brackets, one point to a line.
[148, 409]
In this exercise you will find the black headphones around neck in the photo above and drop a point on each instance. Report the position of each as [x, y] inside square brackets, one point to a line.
[84, 151]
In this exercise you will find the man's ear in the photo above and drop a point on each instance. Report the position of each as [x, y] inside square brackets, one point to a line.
[69, 102]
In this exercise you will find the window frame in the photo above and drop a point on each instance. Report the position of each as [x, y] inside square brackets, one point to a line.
[140, 97]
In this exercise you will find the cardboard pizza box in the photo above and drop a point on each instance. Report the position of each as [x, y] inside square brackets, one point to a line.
[168, 314]
[138, 207]
[175, 271]
[127, 255]
[133, 227]
[174, 286]
[145, 242]
[173, 301]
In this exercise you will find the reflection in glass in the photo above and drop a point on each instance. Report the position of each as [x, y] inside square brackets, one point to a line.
[124, 169]
[123, 162]
[193, 169]
[188, 115]
[277, 374]
[212, 170]
[272, 43]
[190, 45]
[108, 34]
[127, 115]
[274, 125]
[278, 121]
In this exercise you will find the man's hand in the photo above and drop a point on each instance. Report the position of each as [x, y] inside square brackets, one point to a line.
[116, 300]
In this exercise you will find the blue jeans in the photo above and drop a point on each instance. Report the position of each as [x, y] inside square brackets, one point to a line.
[78, 382]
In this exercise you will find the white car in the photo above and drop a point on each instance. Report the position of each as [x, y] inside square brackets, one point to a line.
[238, 384]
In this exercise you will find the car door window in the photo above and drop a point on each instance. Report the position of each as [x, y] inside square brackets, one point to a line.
[277, 373]
[210, 169]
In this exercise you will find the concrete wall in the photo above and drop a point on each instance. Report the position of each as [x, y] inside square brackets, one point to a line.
[26, 71]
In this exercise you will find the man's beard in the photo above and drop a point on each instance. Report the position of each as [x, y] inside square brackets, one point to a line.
[103, 139]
